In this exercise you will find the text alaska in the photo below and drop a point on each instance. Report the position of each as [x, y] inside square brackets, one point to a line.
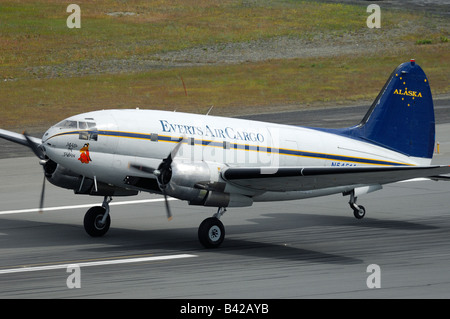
[408, 93]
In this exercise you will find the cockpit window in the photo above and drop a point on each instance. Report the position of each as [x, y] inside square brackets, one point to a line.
[90, 134]
[93, 136]
[87, 135]
[67, 124]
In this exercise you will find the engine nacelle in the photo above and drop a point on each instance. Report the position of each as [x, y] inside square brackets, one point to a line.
[61, 176]
[190, 174]
[199, 183]
[65, 178]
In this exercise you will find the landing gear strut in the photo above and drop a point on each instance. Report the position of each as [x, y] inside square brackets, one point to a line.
[358, 210]
[97, 219]
[211, 232]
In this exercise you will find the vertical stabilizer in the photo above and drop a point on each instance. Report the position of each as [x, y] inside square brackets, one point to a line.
[402, 116]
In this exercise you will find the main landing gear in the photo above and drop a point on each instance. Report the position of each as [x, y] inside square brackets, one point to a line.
[358, 210]
[211, 231]
[97, 220]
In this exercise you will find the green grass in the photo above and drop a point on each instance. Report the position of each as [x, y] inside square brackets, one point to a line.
[424, 41]
[263, 85]
[34, 34]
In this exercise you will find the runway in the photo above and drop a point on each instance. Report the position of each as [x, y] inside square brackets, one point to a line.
[311, 248]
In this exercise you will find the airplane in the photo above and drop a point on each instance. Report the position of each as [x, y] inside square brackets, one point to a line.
[227, 162]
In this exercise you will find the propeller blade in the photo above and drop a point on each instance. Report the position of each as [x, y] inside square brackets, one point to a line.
[169, 213]
[162, 169]
[41, 155]
[41, 202]
[35, 148]
[161, 173]
[173, 153]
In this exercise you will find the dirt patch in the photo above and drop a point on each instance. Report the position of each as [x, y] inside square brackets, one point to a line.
[373, 41]
[439, 7]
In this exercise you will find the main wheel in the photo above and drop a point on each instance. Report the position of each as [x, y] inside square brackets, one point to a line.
[359, 213]
[92, 222]
[211, 233]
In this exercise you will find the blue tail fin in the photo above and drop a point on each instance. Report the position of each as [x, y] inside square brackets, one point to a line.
[402, 116]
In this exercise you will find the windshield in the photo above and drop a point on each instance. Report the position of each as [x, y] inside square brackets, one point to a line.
[67, 124]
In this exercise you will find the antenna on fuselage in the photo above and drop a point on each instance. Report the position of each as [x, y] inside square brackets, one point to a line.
[207, 113]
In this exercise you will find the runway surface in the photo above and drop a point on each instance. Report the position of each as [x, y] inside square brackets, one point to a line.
[311, 248]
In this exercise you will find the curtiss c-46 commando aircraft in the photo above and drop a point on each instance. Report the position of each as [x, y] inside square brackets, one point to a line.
[226, 162]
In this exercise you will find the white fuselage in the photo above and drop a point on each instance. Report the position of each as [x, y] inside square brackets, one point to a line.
[102, 144]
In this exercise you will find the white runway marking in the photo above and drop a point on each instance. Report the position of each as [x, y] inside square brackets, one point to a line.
[48, 209]
[95, 263]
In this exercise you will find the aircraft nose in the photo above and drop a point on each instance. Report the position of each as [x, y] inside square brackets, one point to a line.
[47, 135]
[50, 137]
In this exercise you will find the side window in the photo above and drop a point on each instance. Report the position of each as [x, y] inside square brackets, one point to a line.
[88, 135]
[84, 135]
[91, 134]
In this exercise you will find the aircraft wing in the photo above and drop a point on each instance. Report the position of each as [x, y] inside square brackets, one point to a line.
[285, 179]
[18, 138]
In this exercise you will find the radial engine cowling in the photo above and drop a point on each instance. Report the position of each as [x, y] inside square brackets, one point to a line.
[65, 178]
[60, 176]
[200, 184]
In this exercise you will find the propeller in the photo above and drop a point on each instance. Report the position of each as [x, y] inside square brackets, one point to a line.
[41, 202]
[37, 150]
[163, 173]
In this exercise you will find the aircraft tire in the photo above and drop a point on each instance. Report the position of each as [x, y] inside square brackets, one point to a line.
[211, 232]
[359, 213]
[92, 220]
